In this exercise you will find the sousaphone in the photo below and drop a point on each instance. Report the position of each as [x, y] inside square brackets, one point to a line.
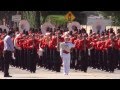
[73, 25]
[24, 25]
[45, 26]
[3, 27]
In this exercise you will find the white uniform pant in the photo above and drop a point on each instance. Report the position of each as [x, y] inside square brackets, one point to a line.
[66, 63]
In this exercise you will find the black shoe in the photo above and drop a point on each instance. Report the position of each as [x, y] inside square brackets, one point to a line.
[111, 71]
[58, 71]
[7, 76]
[33, 71]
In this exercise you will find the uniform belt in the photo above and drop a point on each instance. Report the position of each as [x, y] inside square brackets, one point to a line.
[64, 51]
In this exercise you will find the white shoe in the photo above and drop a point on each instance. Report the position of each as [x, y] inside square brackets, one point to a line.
[64, 73]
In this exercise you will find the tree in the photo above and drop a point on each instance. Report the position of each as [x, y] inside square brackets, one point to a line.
[114, 15]
[56, 19]
[80, 17]
[30, 16]
[36, 18]
[7, 15]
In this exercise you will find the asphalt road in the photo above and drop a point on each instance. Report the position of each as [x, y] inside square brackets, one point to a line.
[41, 73]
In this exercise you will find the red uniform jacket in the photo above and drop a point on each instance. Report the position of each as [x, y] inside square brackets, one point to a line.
[19, 42]
[61, 39]
[118, 43]
[77, 44]
[31, 45]
[94, 43]
[81, 44]
[24, 44]
[108, 43]
[1, 46]
[101, 45]
[42, 45]
[73, 39]
[53, 43]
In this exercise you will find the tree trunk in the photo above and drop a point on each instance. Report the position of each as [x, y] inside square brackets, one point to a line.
[37, 19]
[44, 14]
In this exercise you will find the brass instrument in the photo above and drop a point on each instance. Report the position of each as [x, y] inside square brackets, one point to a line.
[45, 26]
[3, 27]
[24, 25]
[70, 25]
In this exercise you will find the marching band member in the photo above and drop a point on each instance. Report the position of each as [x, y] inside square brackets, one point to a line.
[40, 52]
[58, 60]
[77, 49]
[52, 47]
[33, 47]
[85, 45]
[73, 52]
[94, 52]
[17, 48]
[118, 52]
[65, 54]
[106, 54]
[110, 45]
[100, 47]
[8, 49]
[1, 54]
[47, 50]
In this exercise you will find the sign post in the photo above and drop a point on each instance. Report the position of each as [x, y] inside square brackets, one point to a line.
[69, 16]
[16, 18]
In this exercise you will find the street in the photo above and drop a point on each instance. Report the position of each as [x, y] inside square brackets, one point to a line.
[46, 74]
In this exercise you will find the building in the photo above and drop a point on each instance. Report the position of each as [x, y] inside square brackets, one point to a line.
[98, 22]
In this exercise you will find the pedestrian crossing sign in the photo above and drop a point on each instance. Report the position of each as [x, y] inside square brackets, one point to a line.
[69, 16]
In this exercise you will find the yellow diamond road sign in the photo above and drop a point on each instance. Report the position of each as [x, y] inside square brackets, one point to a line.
[69, 16]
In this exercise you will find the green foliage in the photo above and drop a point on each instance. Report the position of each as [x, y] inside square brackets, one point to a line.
[41, 19]
[115, 16]
[30, 16]
[56, 19]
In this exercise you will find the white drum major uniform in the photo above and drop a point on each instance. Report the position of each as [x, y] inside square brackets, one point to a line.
[65, 48]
